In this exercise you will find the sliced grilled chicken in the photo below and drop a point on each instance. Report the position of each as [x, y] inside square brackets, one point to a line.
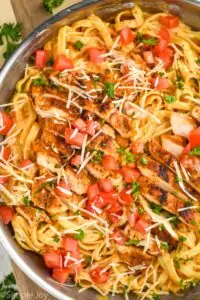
[182, 124]
[173, 144]
[190, 163]
[196, 113]
[33, 215]
[78, 183]
[133, 255]
[123, 124]
[105, 143]
[57, 143]
[162, 177]
[97, 170]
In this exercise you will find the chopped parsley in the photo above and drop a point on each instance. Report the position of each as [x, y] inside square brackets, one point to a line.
[178, 179]
[125, 290]
[98, 157]
[109, 89]
[143, 161]
[150, 41]
[198, 61]
[179, 82]
[182, 238]
[135, 188]
[26, 200]
[78, 45]
[50, 62]
[79, 235]
[157, 208]
[95, 80]
[88, 260]
[161, 227]
[133, 242]
[170, 99]
[7, 109]
[49, 5]
[56, 239]
[175, 221]
[155, 297]
[164, 245]
[195, 151]
[140, 210]
[127, 155]
[39, 81]
[12, 33]
[161, 74]
[77, 213]
[8, 289]
[176, 263]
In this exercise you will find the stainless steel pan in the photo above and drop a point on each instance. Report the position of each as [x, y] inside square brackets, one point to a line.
[31, 264]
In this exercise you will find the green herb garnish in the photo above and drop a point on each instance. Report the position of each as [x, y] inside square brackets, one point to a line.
[8, 289]
[109, 89]
[12, 33]
[98, 157]
[179, 82]
[135, 188]
[178, 179]
[49, 5]
[176, 263]
[140, 210]
[155, 297]
[170, 99]
[143, 161]
[127, 155]
[39, 81]
[133, 242]
[7, 109]
[50, 62]
[88, 260]
[157, 208]
[175, 221]
[150, 41]
[56, 239]
[182, 238]
[164, 245]
[198, 61]
[26, 200]
[78, 45]
[79, 235]
[195, 151]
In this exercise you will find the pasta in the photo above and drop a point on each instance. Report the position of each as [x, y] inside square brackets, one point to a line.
[100, 165]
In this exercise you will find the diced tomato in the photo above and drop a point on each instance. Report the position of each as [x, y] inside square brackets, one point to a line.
[114, 207]
[148, 57]
[194, 138]
[133, 217]
[95, 55]
[130, 174]
[106, 185]
[110, 163]
[91, 127]
[3, 179]
[137, 147]
[99, 276]
[6, 151]
[53, 259]
[6, 214]
[62, 189]
[26, 164]
[160, 83]
[62, 63]
[126, 197]
[79, 124]
[119, 237]
[164, 34]
[186, 149]
[131, 165]
[93, 191]
[141, 226]
[169, 21]
[167, 56]
[71, 245]
[60, 274]
[6, 122]
[41, 59]
[76, 140]
[114, 217]
[161, 46]
[76, 160]
[126, 36]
